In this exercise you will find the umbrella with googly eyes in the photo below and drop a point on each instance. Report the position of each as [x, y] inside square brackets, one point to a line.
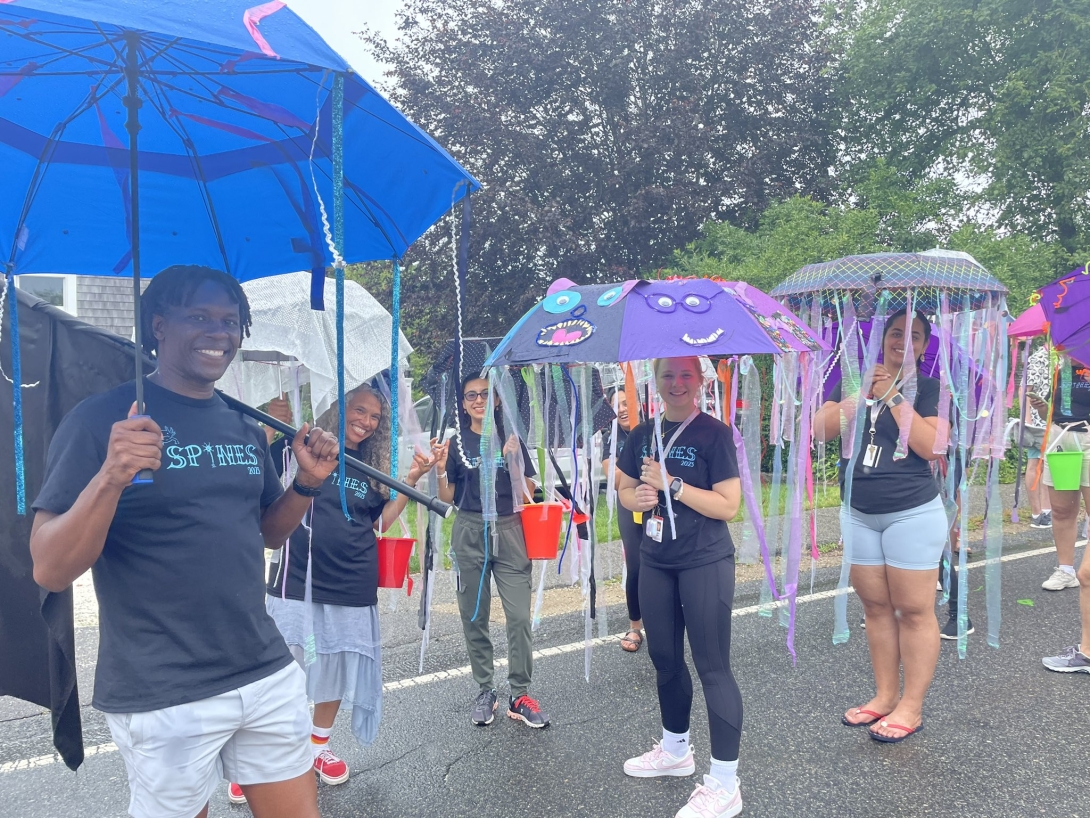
[636, 320]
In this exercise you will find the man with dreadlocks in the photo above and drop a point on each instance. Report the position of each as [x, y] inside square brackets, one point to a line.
[193, 676]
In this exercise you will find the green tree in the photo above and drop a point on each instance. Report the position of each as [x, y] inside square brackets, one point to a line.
[884, 213]
[997, 90]
[605, 133]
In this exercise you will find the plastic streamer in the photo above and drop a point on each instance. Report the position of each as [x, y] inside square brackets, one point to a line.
[908, 381]
[747, 442]
[310, 645]
[841, 632]
[17, 393]
[395, 315]
[1023, 414]
[490, 450]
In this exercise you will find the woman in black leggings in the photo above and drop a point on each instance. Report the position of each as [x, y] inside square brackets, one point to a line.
[631, 531]
[687, 581]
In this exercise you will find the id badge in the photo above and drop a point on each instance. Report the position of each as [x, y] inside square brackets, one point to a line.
[653, 527]
[871, 456]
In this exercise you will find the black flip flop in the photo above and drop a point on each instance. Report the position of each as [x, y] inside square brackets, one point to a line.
[627, 638]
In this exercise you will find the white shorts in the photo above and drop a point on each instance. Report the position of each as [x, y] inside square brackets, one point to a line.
[176, 757]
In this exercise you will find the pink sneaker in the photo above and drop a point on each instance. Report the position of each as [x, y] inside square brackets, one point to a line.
[331, 769]
[658, 762]
[710, 800]
[235, 794]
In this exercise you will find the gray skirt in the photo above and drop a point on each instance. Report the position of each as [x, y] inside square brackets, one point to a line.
[348, 667]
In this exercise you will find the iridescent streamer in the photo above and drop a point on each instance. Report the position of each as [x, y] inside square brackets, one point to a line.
[395, 337]
[489, 462]
[993, 572]
[946, 331]
[17, 393]
[908, 382]
[503, 385]
[841, 632]
[310, 649]
[747, 443]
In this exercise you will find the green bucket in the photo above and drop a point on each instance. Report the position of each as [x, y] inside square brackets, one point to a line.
[1066, 470]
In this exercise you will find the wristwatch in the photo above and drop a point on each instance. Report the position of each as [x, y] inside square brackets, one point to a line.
[676, 487]
[896, 400]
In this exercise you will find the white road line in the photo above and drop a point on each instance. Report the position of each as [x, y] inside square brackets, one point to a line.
[571, 647]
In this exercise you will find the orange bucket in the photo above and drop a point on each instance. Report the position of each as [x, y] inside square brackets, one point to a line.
[541, 529]
[393, 560]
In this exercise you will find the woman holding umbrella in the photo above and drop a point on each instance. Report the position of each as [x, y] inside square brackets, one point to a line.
[687, 563]
[342, 553]
[898, 528]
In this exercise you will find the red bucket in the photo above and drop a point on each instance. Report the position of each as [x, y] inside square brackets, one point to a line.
[541, 529]
[393, 560]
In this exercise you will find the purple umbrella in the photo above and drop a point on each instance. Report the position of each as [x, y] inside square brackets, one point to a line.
[1066, 302]
[635, 320]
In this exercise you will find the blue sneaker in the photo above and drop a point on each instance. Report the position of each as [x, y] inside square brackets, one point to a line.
[1072, 660]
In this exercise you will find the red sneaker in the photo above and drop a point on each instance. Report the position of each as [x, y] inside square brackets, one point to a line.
[330, 768]
[235, 794]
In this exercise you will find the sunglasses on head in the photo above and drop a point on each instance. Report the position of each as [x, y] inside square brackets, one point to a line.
[471, 397]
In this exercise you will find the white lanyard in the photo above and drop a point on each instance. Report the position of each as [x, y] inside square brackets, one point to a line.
[677, 432]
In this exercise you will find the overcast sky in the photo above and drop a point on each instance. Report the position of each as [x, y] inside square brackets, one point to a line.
[336, 20]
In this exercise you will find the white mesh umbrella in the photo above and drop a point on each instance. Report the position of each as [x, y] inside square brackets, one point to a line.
[288, 339]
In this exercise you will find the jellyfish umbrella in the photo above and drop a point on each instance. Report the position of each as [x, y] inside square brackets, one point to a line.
[968, 308]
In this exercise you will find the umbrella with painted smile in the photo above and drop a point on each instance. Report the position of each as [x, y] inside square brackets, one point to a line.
[636, 320]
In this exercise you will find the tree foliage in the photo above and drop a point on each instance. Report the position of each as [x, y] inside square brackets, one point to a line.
[886, 213]
[605, 133]
[998, 89]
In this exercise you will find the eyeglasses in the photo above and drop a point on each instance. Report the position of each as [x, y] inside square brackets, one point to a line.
[471, 397]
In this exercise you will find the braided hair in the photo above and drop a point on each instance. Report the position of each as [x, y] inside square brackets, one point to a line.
[175, 286]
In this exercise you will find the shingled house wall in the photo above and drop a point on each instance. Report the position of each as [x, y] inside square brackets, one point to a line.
[106, 301]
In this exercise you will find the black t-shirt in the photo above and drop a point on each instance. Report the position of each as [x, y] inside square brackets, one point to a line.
[607, 442]
[467, 482]
[892, 485]
[343, 552]
[1080, 400]
[702, 456]
[180, 578]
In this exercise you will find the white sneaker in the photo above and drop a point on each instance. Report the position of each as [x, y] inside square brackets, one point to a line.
[658, 762]
[710, 800]
[1060, 580]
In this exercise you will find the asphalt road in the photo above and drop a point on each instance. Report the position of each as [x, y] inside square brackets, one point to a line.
[1003, 736]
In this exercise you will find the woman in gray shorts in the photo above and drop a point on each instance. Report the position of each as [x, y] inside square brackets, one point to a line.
[897, 528]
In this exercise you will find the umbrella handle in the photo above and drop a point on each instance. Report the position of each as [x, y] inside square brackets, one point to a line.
[144, 476]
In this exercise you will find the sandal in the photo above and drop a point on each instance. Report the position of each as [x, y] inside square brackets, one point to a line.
[865, 712]
[908, 731]
[633, 637]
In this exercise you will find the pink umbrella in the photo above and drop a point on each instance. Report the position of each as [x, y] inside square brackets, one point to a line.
[1029, 324]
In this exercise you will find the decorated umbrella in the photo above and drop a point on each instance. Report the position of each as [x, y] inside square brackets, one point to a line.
[1029, 324]
[930, 276]
[613, 322]
[970, 317]
[138, 135]
[1066, 306]
[287, 334]
[639, 320]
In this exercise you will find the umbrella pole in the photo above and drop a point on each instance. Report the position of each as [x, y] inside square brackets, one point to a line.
[132, 125]
[432, 503]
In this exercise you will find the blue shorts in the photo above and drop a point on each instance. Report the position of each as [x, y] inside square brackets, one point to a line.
[913, 539]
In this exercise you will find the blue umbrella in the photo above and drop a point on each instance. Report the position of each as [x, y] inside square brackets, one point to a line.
[141, 133]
